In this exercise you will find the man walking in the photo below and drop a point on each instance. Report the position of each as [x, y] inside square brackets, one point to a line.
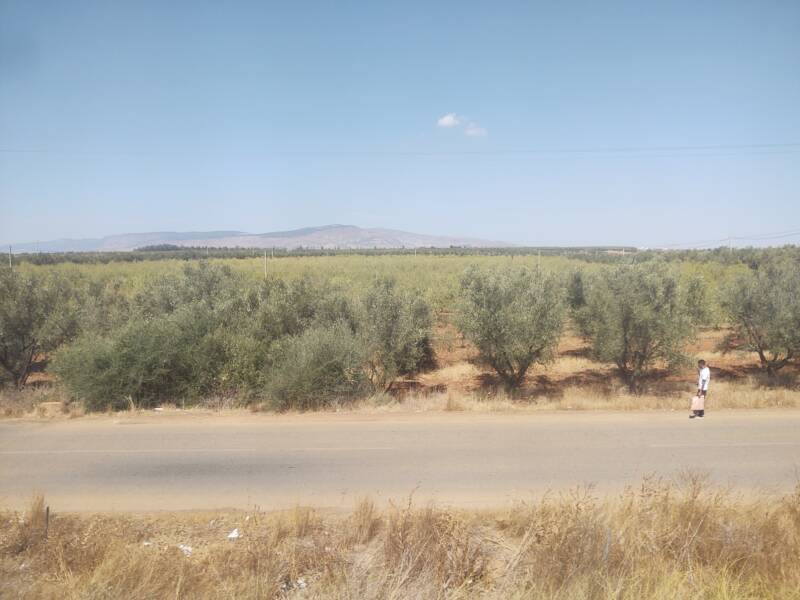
[699, 401]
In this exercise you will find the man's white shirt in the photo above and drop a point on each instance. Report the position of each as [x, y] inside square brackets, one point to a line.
[703, 379]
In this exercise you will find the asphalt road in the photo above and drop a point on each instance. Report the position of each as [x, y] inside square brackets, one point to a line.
[169, 462]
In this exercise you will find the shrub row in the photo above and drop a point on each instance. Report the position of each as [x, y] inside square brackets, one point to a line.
[206, 332]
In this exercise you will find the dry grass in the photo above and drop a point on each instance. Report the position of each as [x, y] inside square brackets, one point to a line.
[744, 393]
[725, 395]
[662, 539]
[28, 402]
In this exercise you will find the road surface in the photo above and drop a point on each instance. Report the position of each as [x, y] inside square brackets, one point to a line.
[169, 462]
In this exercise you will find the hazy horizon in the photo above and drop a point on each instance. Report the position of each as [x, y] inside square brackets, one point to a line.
[533, 124]
[770, 239]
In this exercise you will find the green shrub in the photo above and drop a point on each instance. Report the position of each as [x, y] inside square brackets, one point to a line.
[514, 317]
[104, 306]
[638, 316]
[213, 286]
[87, 367]
[395, 329]
[148, 361]
[37, 314]
[198, 333]
[248, 359]
[270, 311]
[314, 368]
[277, 308]
[763, 308]
[576, 290]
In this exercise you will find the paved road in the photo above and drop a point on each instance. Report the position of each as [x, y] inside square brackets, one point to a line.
[190, 462]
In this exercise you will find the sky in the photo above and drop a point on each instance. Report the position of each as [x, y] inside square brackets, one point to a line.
[561, 123]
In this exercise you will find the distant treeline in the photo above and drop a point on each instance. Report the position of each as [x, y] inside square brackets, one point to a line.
[601, 254]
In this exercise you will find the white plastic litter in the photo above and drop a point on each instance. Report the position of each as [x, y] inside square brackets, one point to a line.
[234, 535]
[147, 543]
[187, 550]
[288, 586]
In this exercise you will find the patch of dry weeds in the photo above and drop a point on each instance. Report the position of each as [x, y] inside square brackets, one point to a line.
[680, 538]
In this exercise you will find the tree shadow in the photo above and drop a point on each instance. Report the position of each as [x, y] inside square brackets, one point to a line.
[735, 372]
[784, 378]
[608, 382]
[545, 387]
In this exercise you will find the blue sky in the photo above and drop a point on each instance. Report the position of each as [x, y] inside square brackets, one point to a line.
[570, 122]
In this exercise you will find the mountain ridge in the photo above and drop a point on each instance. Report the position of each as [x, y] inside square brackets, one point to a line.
[349, 237]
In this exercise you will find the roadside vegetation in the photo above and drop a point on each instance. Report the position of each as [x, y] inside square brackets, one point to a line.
[513, 317]
[314, 332]
[641, 316]
[763, 307]
[677, 538]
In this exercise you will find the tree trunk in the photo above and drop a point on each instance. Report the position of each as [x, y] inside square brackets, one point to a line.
[628, 376]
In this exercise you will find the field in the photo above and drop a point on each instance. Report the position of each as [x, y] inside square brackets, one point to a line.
[224, 343]
[456, 379]
[435, 276]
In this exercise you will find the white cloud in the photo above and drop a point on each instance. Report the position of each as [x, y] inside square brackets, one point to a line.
[475, 130]
[449, 120]
[470, 128]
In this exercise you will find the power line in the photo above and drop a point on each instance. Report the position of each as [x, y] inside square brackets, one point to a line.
[739, 238]
[770, 236]
[646, 151]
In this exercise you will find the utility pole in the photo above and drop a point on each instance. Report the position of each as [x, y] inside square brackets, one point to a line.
[265, 264]
[9, 256]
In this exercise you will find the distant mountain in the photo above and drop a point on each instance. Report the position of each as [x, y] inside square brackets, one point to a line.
[327, 236]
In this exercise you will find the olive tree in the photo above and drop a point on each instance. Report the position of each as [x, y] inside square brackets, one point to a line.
[172, 357]
[321, 365]
[763, 308]
[640, 316]
[395, 330]
[270, 311]
[514, 317]
[214, 286]
[37, 314]
[576, 290]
